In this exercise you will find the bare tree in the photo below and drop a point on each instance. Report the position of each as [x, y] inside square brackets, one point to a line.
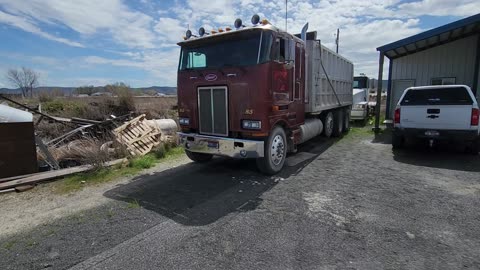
[26, 79]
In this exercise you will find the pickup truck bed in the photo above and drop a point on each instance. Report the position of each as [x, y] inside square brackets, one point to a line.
[437, 113]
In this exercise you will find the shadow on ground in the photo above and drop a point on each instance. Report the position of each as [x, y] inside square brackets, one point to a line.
[198, 194]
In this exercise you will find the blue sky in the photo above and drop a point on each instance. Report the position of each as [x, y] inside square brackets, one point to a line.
[95, 42]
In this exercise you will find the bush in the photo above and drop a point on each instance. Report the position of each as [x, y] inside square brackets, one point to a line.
[143, 162]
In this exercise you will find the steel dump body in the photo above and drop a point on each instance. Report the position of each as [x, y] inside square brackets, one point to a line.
[318, 90]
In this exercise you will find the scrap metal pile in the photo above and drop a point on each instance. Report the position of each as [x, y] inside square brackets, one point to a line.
[85, 145]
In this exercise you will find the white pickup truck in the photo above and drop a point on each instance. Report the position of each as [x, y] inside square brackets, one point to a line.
[438, 113]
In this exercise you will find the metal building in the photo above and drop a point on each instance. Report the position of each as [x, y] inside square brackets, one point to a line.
[449, 54]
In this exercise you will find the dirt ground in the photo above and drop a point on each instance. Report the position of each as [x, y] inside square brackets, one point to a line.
[349, 203]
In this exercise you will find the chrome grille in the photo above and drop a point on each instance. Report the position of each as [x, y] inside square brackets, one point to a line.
[213, 110]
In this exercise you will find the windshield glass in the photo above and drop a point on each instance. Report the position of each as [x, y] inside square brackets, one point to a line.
[241, 50]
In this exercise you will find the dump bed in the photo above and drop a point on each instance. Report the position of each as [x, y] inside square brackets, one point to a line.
[329, 86]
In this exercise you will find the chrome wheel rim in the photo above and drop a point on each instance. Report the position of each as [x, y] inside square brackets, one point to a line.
[330, 124]
[277, 150]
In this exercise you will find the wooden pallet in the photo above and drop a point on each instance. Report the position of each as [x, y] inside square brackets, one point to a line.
[138, 137]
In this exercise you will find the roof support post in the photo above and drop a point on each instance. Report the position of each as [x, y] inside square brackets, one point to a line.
[379, 93]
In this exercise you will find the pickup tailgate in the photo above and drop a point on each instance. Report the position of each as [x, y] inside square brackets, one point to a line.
[451, 117]
[437, 108]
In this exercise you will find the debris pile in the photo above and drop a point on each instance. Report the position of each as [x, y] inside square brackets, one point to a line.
[85, 145]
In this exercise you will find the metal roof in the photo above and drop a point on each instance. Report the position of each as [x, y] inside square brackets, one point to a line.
[434, 37]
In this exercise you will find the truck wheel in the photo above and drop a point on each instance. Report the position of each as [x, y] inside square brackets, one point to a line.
[338, 123]
[198, 157]
[397, 141]
[275, 152]
[328, 124]
[473, 148]
[346, 121]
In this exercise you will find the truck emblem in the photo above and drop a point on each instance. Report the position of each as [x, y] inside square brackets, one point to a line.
[210, 77]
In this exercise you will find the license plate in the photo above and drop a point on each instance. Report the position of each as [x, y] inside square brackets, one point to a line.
[212, 144]
[432, 133]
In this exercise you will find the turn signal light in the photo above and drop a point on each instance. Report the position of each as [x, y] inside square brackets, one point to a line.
[475, 117]
[397, 116]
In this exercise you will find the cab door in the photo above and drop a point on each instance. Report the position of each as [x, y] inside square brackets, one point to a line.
[283, 73]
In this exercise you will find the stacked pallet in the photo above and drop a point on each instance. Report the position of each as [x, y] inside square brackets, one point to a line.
[138, 136]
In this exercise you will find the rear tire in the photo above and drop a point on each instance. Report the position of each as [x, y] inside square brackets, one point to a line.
[397, 141]
[275, 152]
[198, 157]
[473, 148]
[338, 123]
[346, 121]
[328, 124]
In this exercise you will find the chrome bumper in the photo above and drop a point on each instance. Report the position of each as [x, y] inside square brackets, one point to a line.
[358, 114]
[235, 148]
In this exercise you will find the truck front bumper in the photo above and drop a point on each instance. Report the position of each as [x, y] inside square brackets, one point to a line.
[235, 148]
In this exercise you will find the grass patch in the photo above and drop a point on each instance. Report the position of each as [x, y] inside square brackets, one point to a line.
[133, 204]
[9, 245]
[78, 181]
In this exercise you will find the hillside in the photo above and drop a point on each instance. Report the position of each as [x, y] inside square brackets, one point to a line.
[167, 90]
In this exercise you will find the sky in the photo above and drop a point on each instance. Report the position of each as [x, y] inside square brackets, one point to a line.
[96, 42]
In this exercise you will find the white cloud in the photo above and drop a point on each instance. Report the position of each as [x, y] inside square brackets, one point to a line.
[89, 17]
[440, 8]
[27, 26]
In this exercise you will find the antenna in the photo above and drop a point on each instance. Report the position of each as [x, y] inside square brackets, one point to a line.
[286, 14]
[337, 40]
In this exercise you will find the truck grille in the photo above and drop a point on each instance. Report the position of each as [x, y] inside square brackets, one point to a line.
[213, 110]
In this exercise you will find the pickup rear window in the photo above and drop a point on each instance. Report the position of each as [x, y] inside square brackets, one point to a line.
[439, 96]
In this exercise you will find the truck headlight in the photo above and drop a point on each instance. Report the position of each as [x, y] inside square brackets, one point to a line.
[251, 124]
[184, 121]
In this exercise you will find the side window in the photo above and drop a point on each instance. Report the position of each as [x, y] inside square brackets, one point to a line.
[443, 81]
[196, 60]
[279, 50]
[284, 50]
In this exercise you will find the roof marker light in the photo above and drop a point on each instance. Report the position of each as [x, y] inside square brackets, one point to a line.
[228, 28]
[201, 31]
[255, 19]
[238, 23]
[220, 30]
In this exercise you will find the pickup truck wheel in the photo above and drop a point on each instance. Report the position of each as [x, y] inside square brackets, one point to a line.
[328, 124]
[337, 123]
[275, 152]
[397, 141]
[198, 157]
[473, 148]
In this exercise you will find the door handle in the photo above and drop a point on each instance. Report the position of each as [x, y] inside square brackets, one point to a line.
[232, 75]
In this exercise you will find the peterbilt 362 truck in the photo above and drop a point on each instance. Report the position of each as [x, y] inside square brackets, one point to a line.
[258, 92]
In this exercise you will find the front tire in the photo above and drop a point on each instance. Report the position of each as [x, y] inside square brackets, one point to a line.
[198, 157]
[275, 152]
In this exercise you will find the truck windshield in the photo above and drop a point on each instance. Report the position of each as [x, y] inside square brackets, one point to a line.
[239, 50]
[360, 82]
[440, 96]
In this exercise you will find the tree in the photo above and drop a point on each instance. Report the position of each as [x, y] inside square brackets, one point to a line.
[26, 79]
[85, 90]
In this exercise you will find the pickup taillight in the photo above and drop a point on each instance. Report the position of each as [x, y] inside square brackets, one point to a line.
[396, 118]
[475, 117]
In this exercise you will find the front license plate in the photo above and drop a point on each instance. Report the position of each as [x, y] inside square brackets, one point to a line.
[212, 144]
[432, 133]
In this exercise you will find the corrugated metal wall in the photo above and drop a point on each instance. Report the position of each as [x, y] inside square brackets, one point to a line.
[454, 59]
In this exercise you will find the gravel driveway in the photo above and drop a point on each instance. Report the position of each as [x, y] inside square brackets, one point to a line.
[340, 204]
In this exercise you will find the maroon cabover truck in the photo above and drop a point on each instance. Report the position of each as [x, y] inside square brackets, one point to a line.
[258, 92]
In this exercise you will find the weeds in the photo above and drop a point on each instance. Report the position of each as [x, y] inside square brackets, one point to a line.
[133, 204]
[9, 245]
[103, 175]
